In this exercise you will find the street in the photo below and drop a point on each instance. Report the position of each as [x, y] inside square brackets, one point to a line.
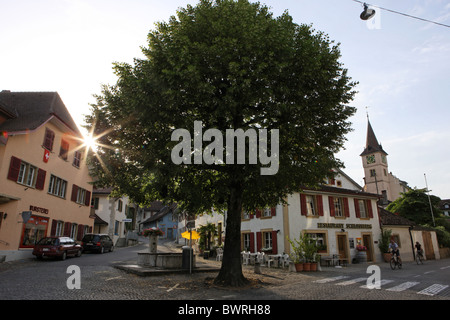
[99, 280]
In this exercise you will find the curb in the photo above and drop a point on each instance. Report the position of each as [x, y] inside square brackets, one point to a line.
[145, 271]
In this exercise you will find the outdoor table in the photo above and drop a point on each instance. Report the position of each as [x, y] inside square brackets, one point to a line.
[274, 257]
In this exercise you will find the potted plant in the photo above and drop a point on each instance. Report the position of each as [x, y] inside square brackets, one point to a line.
[297, 255]
[383, 244]
[310, 249]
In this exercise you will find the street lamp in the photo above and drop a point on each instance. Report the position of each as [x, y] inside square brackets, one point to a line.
[367, 13]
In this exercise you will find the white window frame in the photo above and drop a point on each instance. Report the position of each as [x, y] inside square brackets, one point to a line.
[310, 205]
[338, 207]
[362, 209]
[27, 174]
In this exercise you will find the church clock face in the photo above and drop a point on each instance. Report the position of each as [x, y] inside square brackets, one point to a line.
[383, 159]
[370, 159]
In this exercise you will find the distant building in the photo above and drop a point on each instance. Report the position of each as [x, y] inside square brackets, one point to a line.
[160, 216]
[45, 187]
[377, 177]
[444, 205]
[405, 233]
[113, 216]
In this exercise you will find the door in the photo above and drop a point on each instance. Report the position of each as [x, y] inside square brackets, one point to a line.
[342, 246]
[367, 242]
[428, 245]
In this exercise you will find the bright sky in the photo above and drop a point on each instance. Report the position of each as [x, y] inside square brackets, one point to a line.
[401, 64]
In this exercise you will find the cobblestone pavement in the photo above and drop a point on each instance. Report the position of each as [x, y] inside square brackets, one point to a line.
[47, 280]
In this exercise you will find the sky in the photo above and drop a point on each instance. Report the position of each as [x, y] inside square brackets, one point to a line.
[401, 64]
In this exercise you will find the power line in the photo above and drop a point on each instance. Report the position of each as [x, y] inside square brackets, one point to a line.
[404, 14]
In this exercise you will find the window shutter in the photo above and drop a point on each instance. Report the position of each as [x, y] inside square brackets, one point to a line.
[252, 242]
[80, 232]
[274, 242]
[358, 214]
[74, 193]
[369, 208]
[319, 205]
[87, 200]
[346, 208]
[258, 213]
[331, 203]
[14, 168]
[67, 226]
[273, 211]
[64, 149]
[90, 229]
[303, 204]
[53, 230]
[258, 241]
[48, 139]
[40, 180]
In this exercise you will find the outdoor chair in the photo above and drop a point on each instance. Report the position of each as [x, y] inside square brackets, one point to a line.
[219, 255]
[246, 257]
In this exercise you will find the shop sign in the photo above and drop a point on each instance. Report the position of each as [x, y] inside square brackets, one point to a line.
[343, 226]
[38, 209]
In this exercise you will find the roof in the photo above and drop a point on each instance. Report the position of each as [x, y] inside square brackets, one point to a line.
[27, 111]
[388, 219]
[161, 213]
[372, 144]
[329, 189]
[99, 220]
[102, 190]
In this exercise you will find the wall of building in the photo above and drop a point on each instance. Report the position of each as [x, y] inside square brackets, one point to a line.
[45, 206]
[351, 229]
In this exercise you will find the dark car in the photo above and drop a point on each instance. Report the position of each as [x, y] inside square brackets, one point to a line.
[97, 242]
[59, 247]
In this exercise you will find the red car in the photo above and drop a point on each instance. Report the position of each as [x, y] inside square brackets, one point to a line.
[60, 247]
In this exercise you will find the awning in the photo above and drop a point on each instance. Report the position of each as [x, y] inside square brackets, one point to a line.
[4, 198]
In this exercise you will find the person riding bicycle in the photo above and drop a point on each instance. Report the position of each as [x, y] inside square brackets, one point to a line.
[419, 248]
[394, 250]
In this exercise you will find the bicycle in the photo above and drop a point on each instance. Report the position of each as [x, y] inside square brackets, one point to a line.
[419, 257]
[395, 263]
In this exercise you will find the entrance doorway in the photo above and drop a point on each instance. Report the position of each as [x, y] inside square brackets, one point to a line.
[367, 242]
[342, 246]
[428, 245]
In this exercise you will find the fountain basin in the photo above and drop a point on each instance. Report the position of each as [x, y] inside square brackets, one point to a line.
[164, 260]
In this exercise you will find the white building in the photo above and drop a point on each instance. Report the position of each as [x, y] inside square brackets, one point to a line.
[339, 216]
[112, 214]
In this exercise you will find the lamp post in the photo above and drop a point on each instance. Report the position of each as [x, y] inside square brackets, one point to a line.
[429, 199]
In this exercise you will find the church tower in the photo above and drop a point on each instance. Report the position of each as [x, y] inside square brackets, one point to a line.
[376, 173]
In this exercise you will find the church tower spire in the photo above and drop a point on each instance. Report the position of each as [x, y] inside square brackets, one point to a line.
[372, 144]
[376, 177]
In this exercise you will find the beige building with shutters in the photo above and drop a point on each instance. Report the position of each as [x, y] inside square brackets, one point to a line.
[42, 173]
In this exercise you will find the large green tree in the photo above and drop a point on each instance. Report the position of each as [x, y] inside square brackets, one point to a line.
[415, 206]
[230, 65]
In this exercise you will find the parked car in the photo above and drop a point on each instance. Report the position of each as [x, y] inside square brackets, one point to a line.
[59, 247]
[97, 242]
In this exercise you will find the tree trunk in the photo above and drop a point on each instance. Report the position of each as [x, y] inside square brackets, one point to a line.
[231, 271]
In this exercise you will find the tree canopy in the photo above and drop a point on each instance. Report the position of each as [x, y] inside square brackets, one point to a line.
[415, 206]
[229, 65]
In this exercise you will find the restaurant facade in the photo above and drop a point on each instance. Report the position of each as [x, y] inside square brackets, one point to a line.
[44, 181]
[338, 215]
